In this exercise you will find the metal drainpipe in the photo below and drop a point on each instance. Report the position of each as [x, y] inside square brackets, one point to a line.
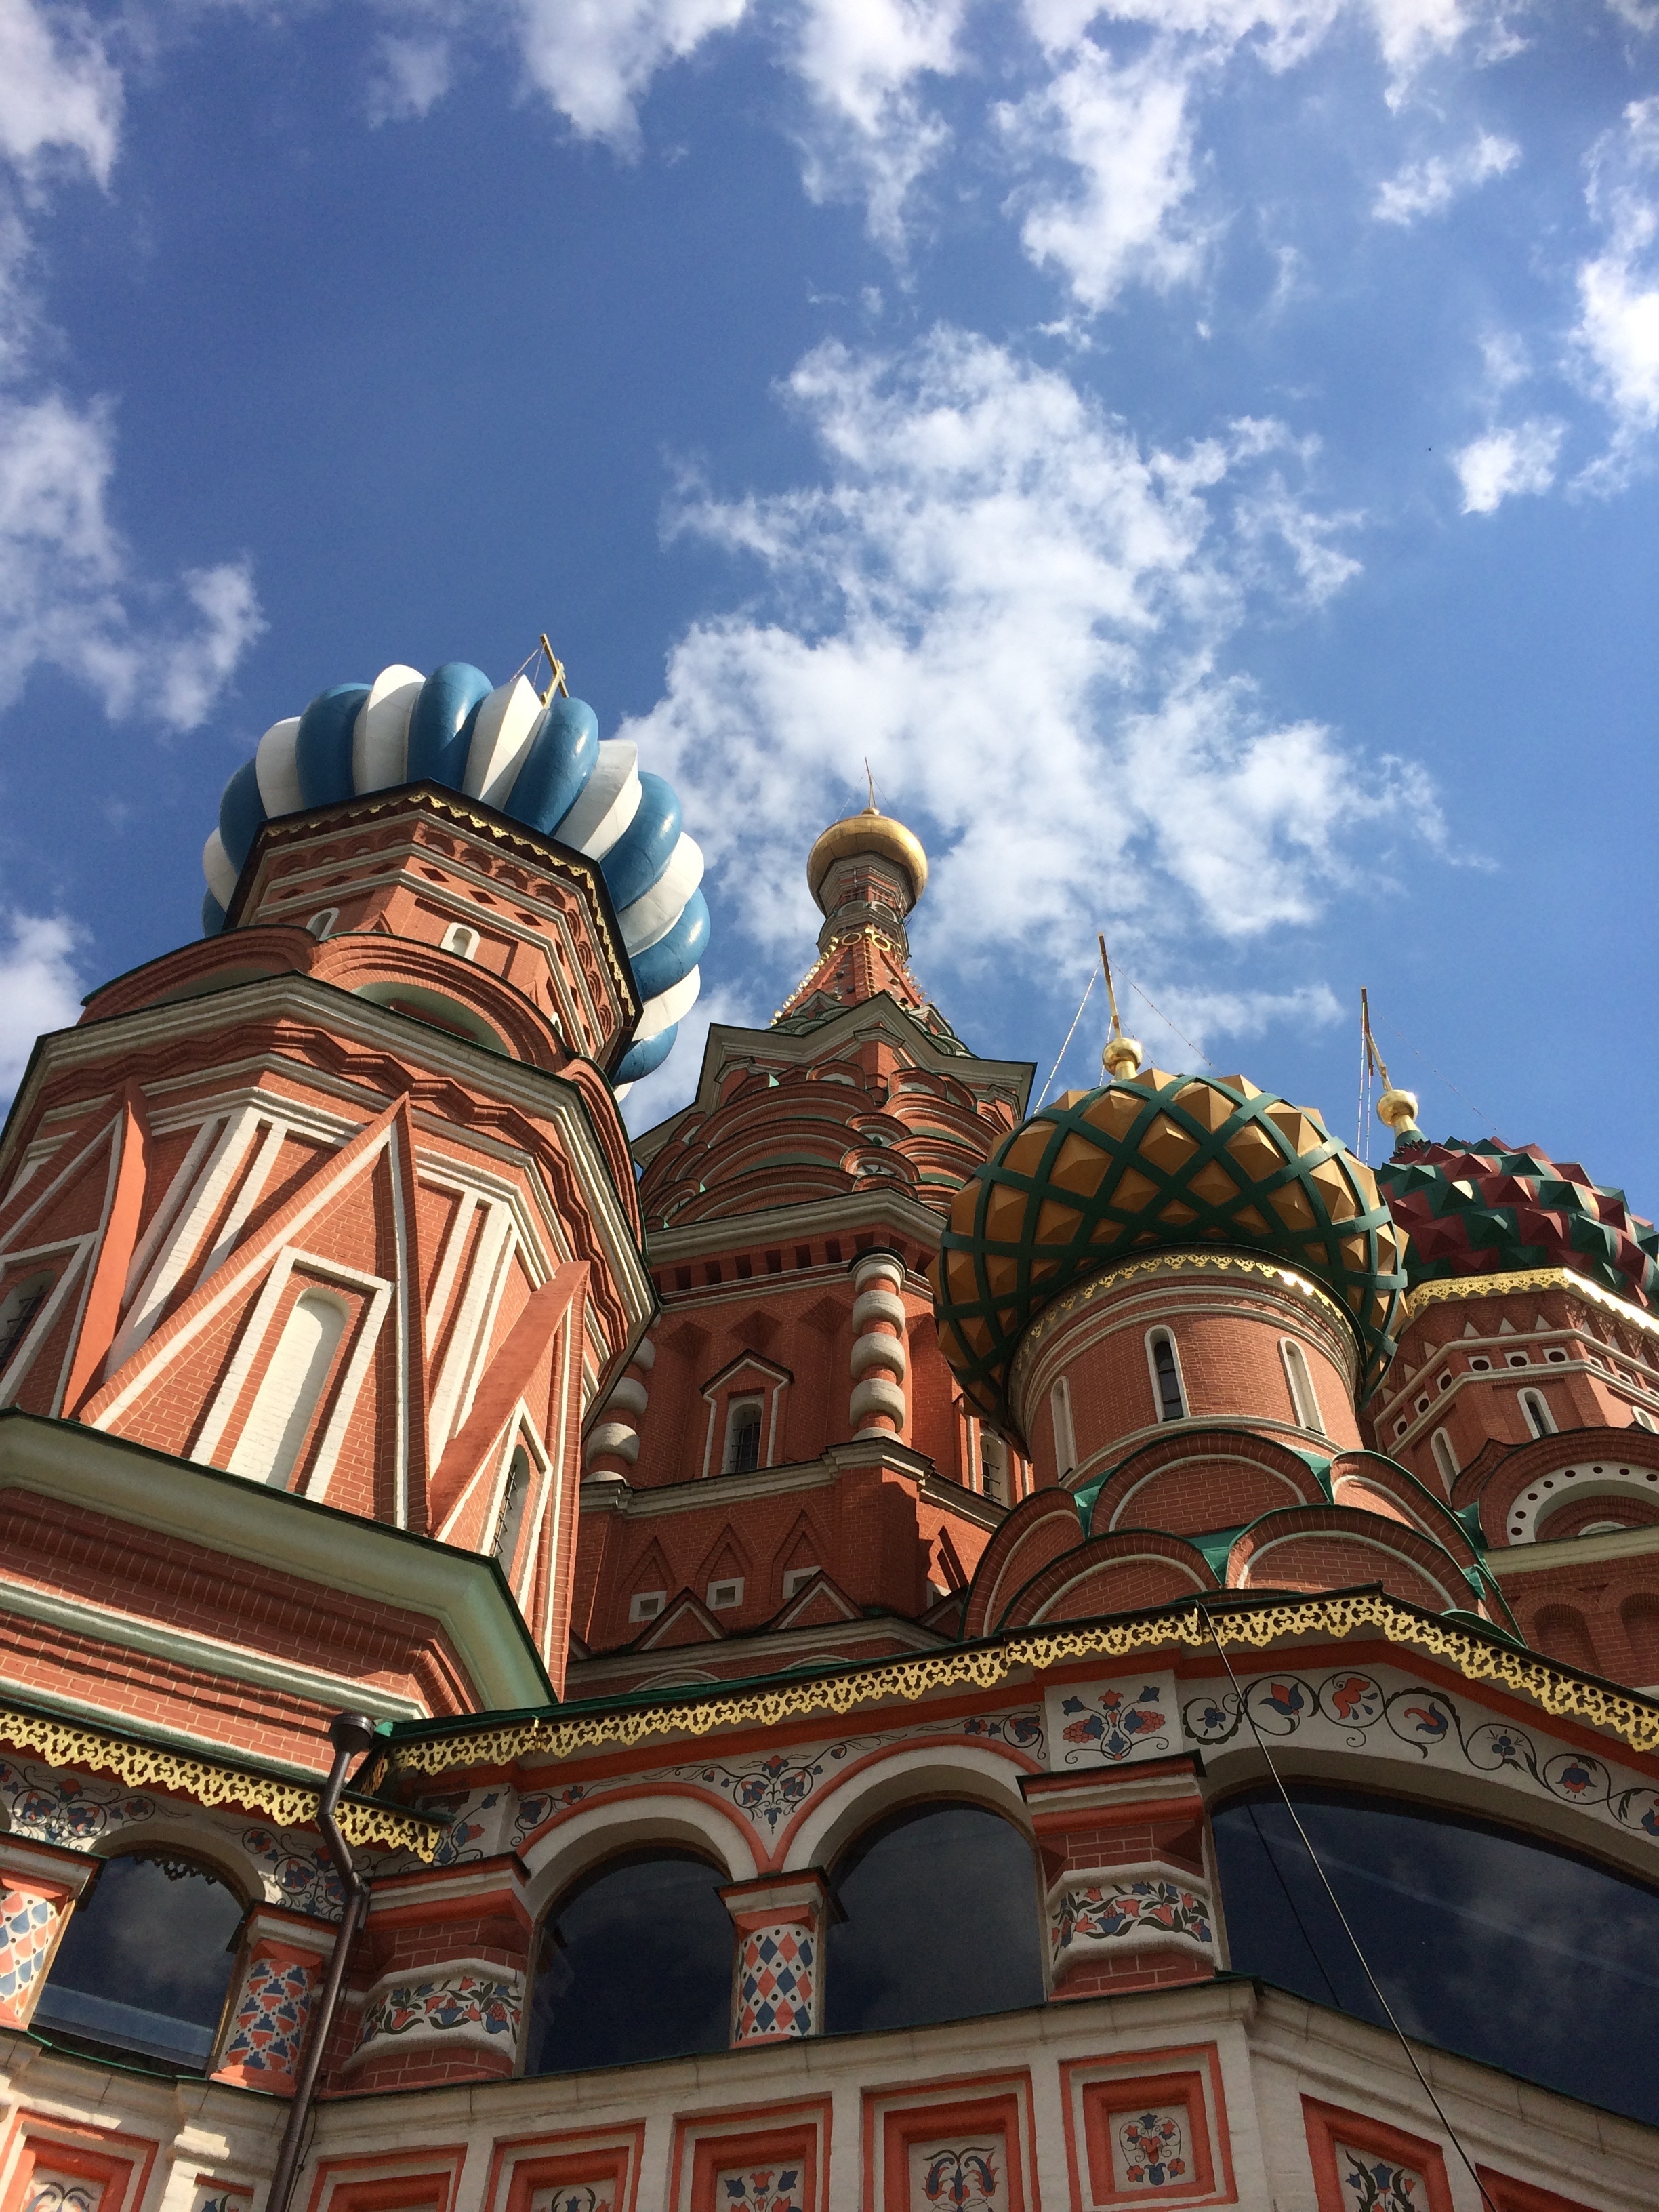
[350, 1734]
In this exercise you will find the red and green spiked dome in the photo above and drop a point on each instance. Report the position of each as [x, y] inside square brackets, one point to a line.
[1489, 1208]
[1156, 1162]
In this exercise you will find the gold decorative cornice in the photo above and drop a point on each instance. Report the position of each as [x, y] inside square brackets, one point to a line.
[287, 1803]
[1179, 1262]
[1452, 1287]
[1633, 1718]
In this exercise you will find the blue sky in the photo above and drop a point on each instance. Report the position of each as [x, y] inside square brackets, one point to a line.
[1202, 453]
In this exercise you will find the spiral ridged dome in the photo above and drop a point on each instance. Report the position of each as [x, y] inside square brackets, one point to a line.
[541, 764]
[1155, 1161]
[1489, 1208]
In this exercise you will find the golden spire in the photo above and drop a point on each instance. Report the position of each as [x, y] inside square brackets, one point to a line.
[1121, 1057]
[1395, 1109]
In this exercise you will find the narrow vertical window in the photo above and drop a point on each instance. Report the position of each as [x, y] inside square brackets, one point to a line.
[743, 1437]
[1060, 1405]
[460, 940]
[322, 925]
[269, 1445]
[1304, 1400]
[994, 1462]
[17, 1311]
[1444, 1457]
[513, 1505]
[1537, 1414]
[1166, 1376]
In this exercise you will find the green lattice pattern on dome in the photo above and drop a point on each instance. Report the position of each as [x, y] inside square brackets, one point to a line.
[1159, 1161]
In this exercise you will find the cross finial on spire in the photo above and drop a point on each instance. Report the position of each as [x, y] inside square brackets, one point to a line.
[555, 673]
[873, 808]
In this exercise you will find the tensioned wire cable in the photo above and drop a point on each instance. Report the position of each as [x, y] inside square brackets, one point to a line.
[1336, 1907]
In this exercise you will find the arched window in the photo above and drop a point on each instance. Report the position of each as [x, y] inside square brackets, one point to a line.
[886, 1888]
[1446, 1909]
[1060, 1405]
[513, 1505]
[1562, 1630]
[1161, 1357]
[993, 1468]
[635, 1963]
[145, 1961]
[1444, 1457]
[460, 940]
[1304, 1400]
[322, 925]
[742, 1435]
[1640, 1615]
[17, 1311]
[271, 1441]
[1536, 1413]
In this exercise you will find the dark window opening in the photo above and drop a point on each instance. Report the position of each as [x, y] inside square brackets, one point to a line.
[513, 1505]
[832, 1248]
[145, 1962]
[1508, 1950]
[588, 2008]
[17, 1311]
[803, 1256]
[1171, 1405]
[745, 1267]
[743, 1442]
[682, 1279]
[886, 1886]
[774, 1263]
[711, 1273]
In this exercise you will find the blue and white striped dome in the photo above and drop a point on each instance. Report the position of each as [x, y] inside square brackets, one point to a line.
[546, 767]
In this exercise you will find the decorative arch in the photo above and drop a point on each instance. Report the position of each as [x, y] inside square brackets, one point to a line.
[1359, 1477]
[1130, 1571]
[902, 1775]
[574, 1841]
[1040, 1529]
[1203, 1479]
[1331, 1546]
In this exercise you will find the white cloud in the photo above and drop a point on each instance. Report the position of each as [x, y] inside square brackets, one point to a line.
[1426, 187]
[66, 578]
[1015, 611]
[1616, 337]
[594, 59]
[411, 76]
[1126, 132]
[60, 96]
[869, 137]
[1503, 462]
[40, 987]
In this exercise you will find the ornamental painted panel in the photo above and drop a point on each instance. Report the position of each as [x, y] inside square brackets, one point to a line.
[1370, 2183]
[959, 2176]
[29, 1930]
[574, 2196]
[759, 2189]
[777, 1979]
[1128, 1911]
[1151, 2149]
[61, 2193]
[54, 1807]
[268, 2034]
[1112, 1723]
[475, 2003]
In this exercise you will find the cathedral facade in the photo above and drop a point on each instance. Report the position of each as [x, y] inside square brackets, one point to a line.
[877, 1648]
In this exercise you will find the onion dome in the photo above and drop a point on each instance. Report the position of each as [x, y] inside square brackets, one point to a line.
[540, 762]
[1156, 1162]
[869, 832]
[1489, 1208]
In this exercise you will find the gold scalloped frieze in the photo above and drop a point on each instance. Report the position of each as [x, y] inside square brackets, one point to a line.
[985, 1667]
[152, 1766]
[1439, 1291]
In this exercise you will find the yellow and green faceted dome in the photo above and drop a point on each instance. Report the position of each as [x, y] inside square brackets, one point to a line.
[1154, 1162]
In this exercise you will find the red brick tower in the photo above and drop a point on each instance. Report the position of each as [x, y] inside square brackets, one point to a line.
[787, 1464]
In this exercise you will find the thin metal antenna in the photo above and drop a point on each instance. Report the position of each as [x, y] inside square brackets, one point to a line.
[1313, 1855]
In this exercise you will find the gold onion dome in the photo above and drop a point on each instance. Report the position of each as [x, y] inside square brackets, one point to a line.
[1154, 1162]
[868, 832]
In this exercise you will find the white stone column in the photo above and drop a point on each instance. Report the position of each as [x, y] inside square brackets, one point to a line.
[613, 1444]
[879, 1362]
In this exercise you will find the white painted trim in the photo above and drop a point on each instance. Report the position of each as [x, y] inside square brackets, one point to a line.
[211, 1653]
[22, 1360]
[177, 1251]
[454, 1245]
[161, 1220]
[247, 1197]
